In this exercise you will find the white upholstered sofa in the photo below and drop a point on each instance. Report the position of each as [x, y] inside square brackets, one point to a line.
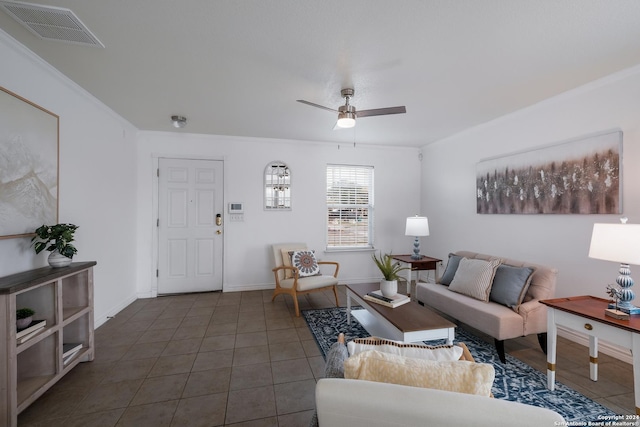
[496, 319]
[373, 402]
[358, 403]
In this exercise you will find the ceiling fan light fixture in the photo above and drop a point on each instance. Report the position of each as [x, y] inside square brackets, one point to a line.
[346, 120]
[178, 121]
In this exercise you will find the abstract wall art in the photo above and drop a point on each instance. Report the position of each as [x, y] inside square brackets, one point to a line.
[28, 166]
[580, 176]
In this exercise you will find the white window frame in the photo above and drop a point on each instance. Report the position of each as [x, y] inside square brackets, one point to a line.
[362, 176]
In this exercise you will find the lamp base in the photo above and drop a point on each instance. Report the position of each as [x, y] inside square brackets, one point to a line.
[616, 314]
[628, 310]
[416, 249]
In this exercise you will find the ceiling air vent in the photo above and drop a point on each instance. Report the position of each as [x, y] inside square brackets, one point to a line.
[51, 23]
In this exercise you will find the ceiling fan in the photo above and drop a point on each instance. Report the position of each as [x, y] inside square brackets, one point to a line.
[347, 113]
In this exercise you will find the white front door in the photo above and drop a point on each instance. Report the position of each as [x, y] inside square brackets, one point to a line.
[189, 237]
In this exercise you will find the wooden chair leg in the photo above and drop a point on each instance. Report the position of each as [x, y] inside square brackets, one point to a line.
[335, 292]
[295, 304]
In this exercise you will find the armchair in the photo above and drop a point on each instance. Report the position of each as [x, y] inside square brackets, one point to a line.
[288, 278]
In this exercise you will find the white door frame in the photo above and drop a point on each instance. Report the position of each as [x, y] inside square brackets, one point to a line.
[155, 159]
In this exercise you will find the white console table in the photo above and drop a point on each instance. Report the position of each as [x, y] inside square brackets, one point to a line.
[586, 314]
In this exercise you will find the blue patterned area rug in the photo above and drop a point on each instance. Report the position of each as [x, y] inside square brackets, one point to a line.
[515, 381]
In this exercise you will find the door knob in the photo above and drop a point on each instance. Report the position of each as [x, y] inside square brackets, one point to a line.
[218, 220]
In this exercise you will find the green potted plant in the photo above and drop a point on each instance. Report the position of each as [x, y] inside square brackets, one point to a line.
[390, 270]
[24, 316]
[57, 240]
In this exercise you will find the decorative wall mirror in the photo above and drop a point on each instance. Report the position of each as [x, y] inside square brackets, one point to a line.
[277, 186]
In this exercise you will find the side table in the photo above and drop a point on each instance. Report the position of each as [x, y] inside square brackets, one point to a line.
[586, 314]
[424, 263]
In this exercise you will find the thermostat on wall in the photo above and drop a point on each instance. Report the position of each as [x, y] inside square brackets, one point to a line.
[236, 208]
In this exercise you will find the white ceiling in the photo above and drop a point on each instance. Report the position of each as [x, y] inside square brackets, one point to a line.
[236, 67]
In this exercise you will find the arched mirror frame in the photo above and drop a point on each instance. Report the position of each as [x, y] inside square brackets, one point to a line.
[277, 186]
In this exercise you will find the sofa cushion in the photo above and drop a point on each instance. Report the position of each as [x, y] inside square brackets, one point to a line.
[459, 376]
[543, 279]
[450, 271]
[419, 351]
[474, 278]
[494, 319]
[510, 285]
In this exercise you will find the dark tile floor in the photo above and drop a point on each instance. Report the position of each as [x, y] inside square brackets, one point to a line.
[237, 359]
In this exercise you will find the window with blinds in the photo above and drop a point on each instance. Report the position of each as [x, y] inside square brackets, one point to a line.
[349, 206]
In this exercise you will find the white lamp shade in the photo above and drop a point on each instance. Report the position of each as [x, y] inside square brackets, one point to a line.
[616, 242]
[417, 226]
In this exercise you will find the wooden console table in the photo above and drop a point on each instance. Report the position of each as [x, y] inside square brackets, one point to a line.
[63, 297]
[586, 314]
[424, 263]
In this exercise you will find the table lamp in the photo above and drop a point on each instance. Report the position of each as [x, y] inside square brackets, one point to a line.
[619, 243]
[417, 226]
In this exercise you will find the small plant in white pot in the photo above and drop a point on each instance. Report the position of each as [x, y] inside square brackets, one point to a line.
[57, 240]
[389, 269]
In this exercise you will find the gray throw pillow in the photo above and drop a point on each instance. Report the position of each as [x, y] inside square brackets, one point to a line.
[450, 271]
[510, 285]
[333, 368]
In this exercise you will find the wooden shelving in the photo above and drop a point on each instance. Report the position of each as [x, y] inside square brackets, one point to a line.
[64, 298]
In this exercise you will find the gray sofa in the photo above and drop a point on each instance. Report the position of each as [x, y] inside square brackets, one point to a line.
[495, 319]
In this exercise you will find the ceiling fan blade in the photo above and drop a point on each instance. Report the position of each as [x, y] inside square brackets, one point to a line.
[317, 105]
[381, 111]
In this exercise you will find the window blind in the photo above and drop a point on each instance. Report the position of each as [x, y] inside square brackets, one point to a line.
[349, 206]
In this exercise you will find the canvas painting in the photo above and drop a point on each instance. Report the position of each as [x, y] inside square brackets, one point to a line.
[581, 176]
[28, 166]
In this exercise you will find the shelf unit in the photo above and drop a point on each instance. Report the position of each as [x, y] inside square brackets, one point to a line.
[64, 298]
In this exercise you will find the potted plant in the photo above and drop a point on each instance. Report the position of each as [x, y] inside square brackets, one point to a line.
[389, 270]
[24, 316]
[57, 240]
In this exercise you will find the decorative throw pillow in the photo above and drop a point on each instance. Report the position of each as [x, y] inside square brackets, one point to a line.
[286, 261]
[474, 277]
[418, 351]
[333, 368]
[459, 376]
[305, 262]
[450, 271]
[510, 285]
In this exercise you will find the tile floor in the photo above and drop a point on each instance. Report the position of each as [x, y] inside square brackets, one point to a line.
[237, 359]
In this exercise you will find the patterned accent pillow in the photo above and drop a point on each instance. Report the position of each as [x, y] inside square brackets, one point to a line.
[305, 262]
[474, 278]
[459, 376]
[419, 351]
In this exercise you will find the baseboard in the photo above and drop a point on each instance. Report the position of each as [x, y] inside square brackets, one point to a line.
[619, 353]
[100, 320]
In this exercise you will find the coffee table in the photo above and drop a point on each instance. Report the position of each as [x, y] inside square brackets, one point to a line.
[410, 322]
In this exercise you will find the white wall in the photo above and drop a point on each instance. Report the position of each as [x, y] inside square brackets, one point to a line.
[97, 169]
[562, 241]
[247, 256]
